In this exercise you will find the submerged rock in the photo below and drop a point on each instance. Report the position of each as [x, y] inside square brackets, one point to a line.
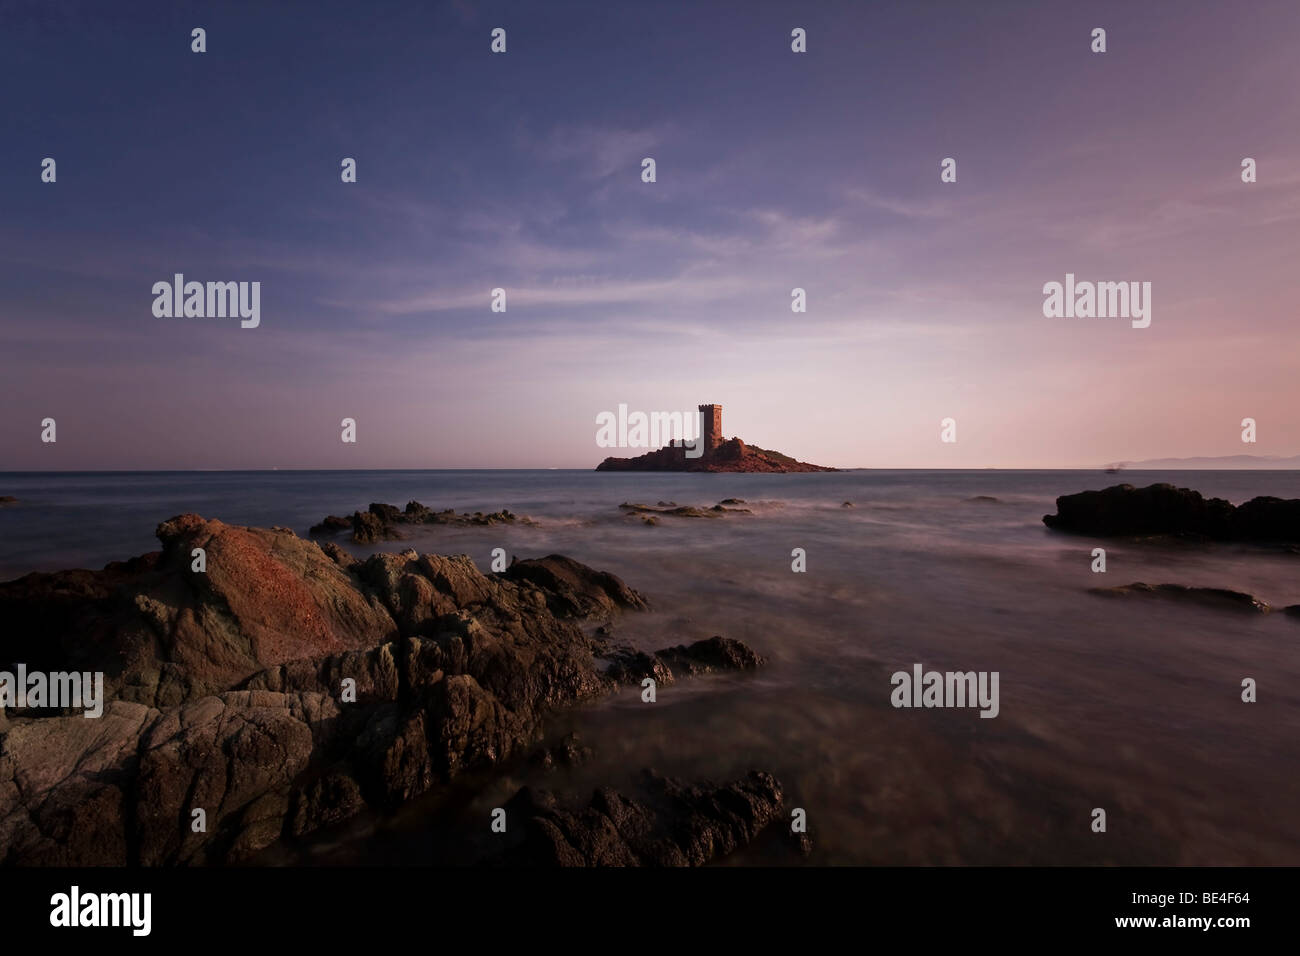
[703, 657]
[383, 522]
[683, 511]
[1214, 597]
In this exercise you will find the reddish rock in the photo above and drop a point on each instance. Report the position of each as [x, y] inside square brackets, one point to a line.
[732, 455]
[226, 686]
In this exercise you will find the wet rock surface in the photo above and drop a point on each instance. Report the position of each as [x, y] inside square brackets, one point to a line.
[1210, 597]
[684, 511]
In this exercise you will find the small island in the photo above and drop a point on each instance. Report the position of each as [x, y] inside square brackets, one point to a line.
[718, 454]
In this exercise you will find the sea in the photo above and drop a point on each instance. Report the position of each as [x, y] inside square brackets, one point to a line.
[1132, 706]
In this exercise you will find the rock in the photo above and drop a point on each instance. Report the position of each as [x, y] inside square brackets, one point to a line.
[682, 511]
[729, 501]
[714, 654]
[8, 500]
[666, 823]
[983, 499]
[264, 741]
[574, 589]
[380, 522]
[227, 688]
[163, 634]
[1163, 509]
[1292, 610]
[629, 666]
[568, 753]
[370, 528]
[847, 504]
[732, 455]
[66, 785]
[1213, 597]
[331, 524]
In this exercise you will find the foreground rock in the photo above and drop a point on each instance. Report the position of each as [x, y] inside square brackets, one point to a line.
[666, 823]
[732, 455]
[382, 522]
[286, 688]
[1164, 509]
[1212, 597]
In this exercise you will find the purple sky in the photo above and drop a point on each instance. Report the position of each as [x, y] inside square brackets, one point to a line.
[522, 171]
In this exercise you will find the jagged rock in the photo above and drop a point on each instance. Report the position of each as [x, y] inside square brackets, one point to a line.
[712, 654]
[682, 511]
[264, 741]
[1214, 597]
[163, 633]
[667, 823]
[331, 524]
[380, 522]
[716, 653]
[1163, 509]
[574, 589]
[227, 688]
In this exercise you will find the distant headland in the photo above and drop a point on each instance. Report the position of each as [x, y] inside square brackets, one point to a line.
[717, 454]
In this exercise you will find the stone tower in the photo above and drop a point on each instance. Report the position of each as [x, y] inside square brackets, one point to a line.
[712, 431]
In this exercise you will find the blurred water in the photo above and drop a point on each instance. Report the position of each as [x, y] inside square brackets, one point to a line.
[1129, 705]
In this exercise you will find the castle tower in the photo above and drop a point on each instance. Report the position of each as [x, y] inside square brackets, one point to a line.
[712, 432]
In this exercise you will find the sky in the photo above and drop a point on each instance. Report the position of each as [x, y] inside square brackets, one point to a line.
[522, 170]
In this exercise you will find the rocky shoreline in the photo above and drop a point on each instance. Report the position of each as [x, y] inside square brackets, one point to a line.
[282, 686]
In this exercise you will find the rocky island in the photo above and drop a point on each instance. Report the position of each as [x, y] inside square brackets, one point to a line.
[717, 455]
